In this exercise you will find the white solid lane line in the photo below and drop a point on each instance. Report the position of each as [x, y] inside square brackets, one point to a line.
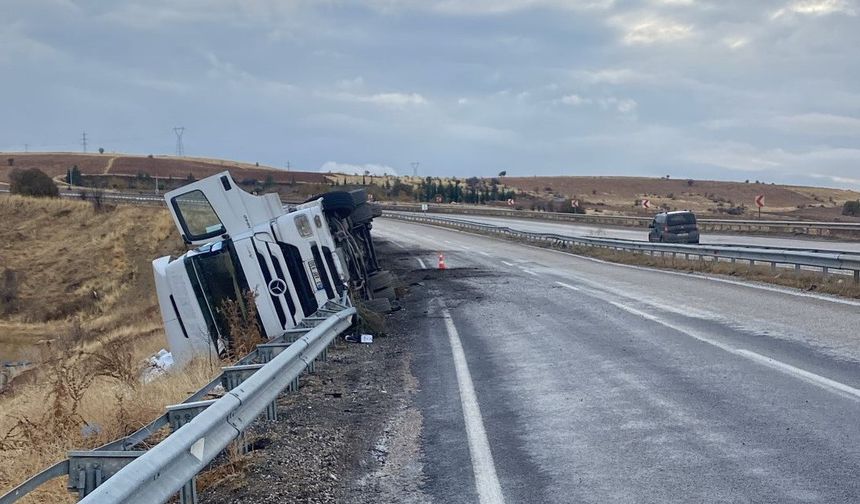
[530, 272]
[815, 379]
[506, 263]
[571, 287]
[484, 253]
[486, 481]
[423, 266]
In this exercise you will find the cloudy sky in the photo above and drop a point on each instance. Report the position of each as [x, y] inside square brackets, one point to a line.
[721, 89]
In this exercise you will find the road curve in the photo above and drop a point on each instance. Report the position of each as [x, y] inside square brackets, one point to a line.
[575, 229]
[596, 382]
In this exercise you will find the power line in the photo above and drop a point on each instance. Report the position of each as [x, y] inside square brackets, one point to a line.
[415, 168]
[180, 149]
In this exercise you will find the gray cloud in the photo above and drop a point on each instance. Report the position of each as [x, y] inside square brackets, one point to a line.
[699, 88]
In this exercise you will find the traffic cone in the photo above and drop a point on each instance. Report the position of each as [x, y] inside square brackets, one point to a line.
[442, 261]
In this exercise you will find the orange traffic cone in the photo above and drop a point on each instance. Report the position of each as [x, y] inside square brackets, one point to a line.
[442, 261]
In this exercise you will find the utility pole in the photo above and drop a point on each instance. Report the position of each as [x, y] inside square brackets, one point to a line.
[415, 168]
[26, 147]
[180, 149]
[84, 141]
[156, 185]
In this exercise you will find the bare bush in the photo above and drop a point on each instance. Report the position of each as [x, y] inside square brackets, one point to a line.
[241, 319]
[116, 360]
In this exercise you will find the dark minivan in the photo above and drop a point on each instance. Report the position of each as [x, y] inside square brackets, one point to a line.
[674, 227]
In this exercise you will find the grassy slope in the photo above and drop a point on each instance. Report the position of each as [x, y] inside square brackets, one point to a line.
[86, 287]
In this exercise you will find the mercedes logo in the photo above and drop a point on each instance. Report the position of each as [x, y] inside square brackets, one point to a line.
[277, 287]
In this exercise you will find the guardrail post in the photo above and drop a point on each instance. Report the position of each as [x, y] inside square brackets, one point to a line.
[89, 469]
[824, 271]
[856, 276]
[773, 267]
[177, 416]
[232, 377]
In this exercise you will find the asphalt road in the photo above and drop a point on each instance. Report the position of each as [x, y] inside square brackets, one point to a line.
[545, 377]
[561, 228]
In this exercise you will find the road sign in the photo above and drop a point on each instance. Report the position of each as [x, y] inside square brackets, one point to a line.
[574, 203]
[759, 202]
[646, 203]
[511, 202]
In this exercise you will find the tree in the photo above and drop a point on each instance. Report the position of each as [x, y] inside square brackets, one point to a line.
[503, 173]
[101, 150]
[11, 161]
[269, 182]
[73, 176]
[190, 178]
[851, 208]
[32, 182]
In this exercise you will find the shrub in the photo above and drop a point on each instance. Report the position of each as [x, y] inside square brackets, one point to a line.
[32, 182]
[9, 292]
[851, 208]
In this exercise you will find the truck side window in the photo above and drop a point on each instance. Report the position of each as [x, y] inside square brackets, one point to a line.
[196, 215]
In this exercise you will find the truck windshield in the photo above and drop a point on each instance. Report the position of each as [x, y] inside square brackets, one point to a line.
[198, 219]
[216, 278]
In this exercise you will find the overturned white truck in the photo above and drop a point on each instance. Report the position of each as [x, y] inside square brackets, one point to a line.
[294, 261]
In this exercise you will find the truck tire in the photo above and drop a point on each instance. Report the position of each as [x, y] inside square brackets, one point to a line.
[387, 292]
[338, 203]
[362, 213]
[380, 280]
[359, 196]
[379, 305]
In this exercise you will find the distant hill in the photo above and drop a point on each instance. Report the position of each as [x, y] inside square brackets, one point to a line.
[612, 195]
[622, 194]
[56, 163]
[130, 173]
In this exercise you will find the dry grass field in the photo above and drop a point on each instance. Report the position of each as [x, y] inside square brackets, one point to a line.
[84, 311]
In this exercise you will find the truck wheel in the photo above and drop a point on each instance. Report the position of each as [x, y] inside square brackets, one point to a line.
[362, 213]
[338, 203]
[380, 280]
[359, 196]
[387, 292]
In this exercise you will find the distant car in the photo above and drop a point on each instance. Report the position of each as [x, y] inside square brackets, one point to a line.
[674, 227]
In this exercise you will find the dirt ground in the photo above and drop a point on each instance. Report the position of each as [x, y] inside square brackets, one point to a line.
[335, 440]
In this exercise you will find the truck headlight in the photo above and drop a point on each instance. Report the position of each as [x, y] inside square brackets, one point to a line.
[303, 225]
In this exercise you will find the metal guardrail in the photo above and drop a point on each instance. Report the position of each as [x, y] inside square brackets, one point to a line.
[799, 258]
[116, 473]
[88, 194]
[719, 225]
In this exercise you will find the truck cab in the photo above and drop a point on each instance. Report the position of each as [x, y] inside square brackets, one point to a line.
[242, 243]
